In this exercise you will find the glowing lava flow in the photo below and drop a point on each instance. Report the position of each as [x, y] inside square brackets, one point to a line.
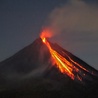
[65, 66]
[61, 63]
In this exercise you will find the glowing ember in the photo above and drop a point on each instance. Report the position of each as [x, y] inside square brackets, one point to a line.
[64, 65]
[44, 40]
[46, 33]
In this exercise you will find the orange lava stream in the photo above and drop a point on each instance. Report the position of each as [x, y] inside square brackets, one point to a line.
[61, 63]
[77, 64]
[65, 66]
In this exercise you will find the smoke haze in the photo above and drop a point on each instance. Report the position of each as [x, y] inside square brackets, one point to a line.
[76, 16]
[76, 23]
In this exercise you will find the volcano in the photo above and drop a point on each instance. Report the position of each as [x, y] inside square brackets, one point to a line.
[44, 69]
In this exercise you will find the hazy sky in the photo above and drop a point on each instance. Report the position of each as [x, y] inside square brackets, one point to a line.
[74, 22]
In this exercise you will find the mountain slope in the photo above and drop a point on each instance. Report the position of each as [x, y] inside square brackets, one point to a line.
[30, 73]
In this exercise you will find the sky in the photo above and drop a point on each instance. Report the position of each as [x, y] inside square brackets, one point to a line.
[74, 24]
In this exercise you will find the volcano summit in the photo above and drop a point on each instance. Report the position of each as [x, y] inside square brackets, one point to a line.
[44, 69]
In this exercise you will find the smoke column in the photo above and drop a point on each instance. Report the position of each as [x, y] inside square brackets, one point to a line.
[77, 23]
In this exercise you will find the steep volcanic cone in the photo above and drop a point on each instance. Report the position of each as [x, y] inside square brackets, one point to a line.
[44, 67]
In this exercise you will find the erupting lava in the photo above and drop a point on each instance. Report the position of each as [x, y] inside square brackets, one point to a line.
[61, 63]
[65, 66]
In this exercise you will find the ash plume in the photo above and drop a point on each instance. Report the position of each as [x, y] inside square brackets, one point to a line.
[75, 16]
[77, 24]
